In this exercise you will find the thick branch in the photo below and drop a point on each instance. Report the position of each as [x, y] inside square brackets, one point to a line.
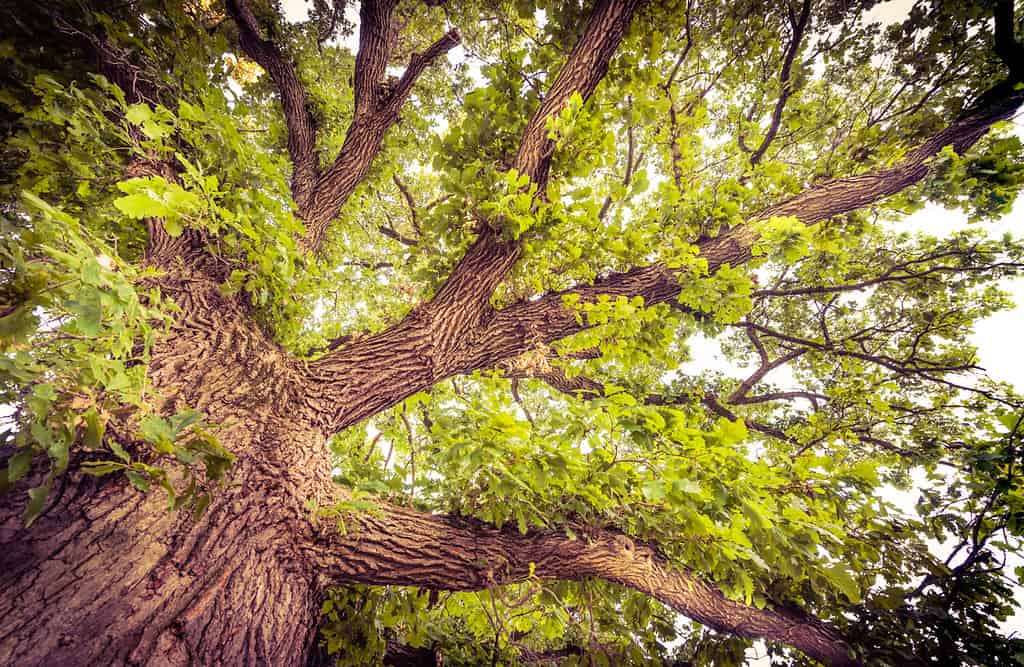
[294, 104]
[401, 546]
[459, 332]
[1009, 50]
[547, 320]
[375, 42]
[376, 110]
[583, 70]
[464, 299]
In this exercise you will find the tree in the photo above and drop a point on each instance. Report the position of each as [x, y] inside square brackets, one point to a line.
[296, 338]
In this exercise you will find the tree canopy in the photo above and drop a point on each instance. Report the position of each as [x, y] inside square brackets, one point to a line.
[482, 242]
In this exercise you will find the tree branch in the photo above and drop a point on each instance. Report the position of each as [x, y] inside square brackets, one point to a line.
[294, 103]
[583, 387]
[583, 70]
[410, 201]
[400, 546]
[466, 294]
[523, 325]
[377, 108]
[318, 197]
[1009, 50]
[799, 25]
[459, 332]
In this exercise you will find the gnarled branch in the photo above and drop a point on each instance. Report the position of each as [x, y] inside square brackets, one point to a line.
[402, 546]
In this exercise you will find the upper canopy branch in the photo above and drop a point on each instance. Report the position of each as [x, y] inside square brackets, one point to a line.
[466, 294]
[320, 195]
[406, 547]
[298, 119]
[582, 71]
[376, 111]
[447, 332]
[786, 83]
[458, 331]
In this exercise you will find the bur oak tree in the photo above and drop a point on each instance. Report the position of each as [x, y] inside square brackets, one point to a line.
[364, 337]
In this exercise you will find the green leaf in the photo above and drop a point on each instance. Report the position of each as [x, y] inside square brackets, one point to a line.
[202, 502]
[19, 464]
[841, 577]
[136, 114]
[654, 490]
[100, 468]
[158, 432]
[141, 205]
[94, 430]
[138, 480]
[37, 501]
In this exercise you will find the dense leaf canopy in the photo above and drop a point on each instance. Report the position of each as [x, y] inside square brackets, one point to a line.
[704, 187]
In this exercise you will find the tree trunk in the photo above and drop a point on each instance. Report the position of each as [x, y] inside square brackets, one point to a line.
[109, 576]
[112, 577]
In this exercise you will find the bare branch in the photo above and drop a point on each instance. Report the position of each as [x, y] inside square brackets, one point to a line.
[391, 233]
[409, 200]
[417, 64]
[582, 387]
[319, 197]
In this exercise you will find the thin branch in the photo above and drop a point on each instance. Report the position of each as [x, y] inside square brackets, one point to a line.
[786, 86]
[410, 201]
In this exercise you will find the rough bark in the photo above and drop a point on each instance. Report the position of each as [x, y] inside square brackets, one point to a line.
[108, 576]
[400, 546]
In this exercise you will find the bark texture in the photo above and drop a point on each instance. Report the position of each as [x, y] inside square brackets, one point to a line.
[109, 576]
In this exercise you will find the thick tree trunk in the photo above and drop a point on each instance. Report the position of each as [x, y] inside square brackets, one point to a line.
[109, 576]
[112, 577]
